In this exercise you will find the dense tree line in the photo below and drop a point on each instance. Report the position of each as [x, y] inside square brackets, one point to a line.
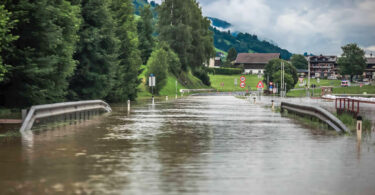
[54, 51]
[67, 50]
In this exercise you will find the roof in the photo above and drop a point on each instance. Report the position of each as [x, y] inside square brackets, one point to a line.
[302, 70]
[256, 58]
[370, 60]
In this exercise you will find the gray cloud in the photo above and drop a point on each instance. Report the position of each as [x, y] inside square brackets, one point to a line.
[316, 26]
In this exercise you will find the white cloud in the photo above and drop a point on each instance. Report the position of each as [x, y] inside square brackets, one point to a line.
[317, 26]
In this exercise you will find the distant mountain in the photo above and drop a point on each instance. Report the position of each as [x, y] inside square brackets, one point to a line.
[138, 4]
[216, 22]
[246, 43]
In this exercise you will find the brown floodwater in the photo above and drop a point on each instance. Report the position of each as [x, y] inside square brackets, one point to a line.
[196, 145]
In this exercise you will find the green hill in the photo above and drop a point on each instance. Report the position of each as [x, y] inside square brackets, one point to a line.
[246, 43]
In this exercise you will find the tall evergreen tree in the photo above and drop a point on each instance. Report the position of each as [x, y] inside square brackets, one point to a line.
[96, 52]
[145, 31]
[41, 59]
[126, 77]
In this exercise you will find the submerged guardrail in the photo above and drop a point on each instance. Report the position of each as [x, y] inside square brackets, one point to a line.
[50, 110]
[196, 90]
[317, 112]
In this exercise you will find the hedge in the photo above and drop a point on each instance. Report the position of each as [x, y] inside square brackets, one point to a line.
[225, 71]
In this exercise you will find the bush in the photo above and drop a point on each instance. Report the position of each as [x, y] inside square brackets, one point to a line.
[225, 71]
[202, 75]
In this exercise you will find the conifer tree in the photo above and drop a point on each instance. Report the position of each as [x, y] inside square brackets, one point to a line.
[145, 31]
[96, 52]
[126, 77]
[40, 60]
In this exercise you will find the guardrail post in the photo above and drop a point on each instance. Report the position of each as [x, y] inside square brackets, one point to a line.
[273, 104]
[359, 127]
[166, 98]
[128, 105]
[24, 114]
[254, 99]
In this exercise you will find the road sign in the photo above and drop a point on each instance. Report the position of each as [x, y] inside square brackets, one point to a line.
[151, 81]
[242, 78]
[243, 85]
[260, 85]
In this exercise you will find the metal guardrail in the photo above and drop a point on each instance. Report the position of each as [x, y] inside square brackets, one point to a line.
[317, 112]
[196, 90]
[49, 110]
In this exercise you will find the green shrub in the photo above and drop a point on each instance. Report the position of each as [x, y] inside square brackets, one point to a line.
[225, 71]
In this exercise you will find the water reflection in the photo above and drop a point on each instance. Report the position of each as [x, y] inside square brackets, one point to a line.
[196, 145]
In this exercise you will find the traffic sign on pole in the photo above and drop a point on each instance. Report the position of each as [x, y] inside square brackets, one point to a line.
[243, 85]
[242, 78]
[260, 85]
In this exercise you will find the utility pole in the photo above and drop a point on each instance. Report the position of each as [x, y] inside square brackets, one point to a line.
[308, 77]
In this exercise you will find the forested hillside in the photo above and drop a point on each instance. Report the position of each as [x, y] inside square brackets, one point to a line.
[245, 43]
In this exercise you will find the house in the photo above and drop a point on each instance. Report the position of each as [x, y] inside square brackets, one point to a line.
[215, 62]
[370, 69]
[323, 66]
[254, 63]
[302, 73]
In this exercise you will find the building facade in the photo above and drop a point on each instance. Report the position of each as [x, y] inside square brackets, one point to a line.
[370, 69]
[254, 63]
[323, 66]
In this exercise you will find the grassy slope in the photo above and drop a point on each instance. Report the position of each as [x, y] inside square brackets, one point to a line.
[228, 80]
[219, 50]
[170, 88]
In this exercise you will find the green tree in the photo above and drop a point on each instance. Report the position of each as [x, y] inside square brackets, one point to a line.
[183, 27]
[145, 31]
[40, 60]
[158, 66]
[96, 53]
[6, 24]
[288, 79]
[126, 80]
[232, 54]
[274, 66]
[352, 61]
[299, 61]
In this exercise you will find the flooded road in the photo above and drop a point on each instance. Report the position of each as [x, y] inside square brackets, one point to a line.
[196, 145]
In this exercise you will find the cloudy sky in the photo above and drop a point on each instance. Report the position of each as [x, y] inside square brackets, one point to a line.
[314, 26]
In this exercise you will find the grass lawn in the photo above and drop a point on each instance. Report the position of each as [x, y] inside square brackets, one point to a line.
[323, 82]
[228, 80]
[339, 90]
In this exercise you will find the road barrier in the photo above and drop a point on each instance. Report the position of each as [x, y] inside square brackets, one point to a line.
[51, 110]
[317, 112]
[196, 90]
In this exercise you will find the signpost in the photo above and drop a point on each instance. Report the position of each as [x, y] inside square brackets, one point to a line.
[152, 84]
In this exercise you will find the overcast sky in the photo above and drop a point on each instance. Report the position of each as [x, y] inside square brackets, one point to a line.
[314, 26]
